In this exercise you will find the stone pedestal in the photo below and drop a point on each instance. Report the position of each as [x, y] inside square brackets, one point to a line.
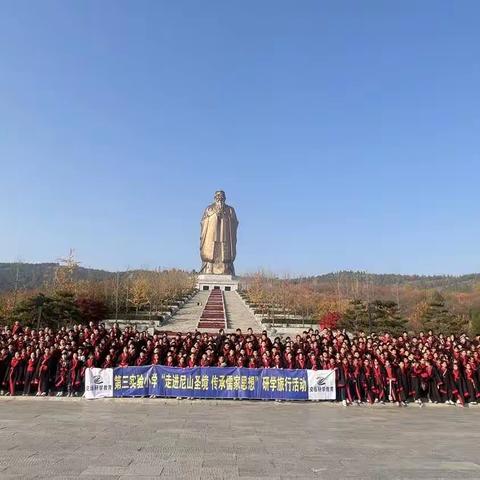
[223, 282]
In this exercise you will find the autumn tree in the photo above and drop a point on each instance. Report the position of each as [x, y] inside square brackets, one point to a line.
[64, 273]
[139, 292]
[418, 314]
[4, 310]
[330, 320]
[255, 288]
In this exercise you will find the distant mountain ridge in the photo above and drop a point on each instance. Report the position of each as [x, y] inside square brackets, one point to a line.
[29, 276]
[447, 282]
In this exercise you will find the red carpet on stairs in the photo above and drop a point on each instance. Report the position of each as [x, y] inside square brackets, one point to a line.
[213, 315]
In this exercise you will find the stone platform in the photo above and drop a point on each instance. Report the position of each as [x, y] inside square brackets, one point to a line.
[226, 283]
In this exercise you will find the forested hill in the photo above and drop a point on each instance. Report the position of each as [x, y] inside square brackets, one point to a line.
[29, 276]
[442, 282]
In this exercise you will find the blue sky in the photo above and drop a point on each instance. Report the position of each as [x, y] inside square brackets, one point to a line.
[346, 134]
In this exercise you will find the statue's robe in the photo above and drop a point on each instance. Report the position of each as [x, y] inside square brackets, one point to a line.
[218, 240]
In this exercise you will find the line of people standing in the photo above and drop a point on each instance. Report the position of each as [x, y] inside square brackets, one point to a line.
[369, 368]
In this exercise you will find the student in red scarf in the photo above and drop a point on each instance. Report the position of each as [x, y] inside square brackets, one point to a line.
[170, 362]
[379, 381]
[472, 386]
[108, 363]
[141, 360]
[14, 376]
[30, 373]
[416, 382]
[75, 375]
[458, 384]
[277, 361]
[403, 383]
[391, 383]
[367, 380]
[61, 377]
[44, 372]
[124, 359]
[355, 381]
[342, 375]
[300, 361]
[266, 361]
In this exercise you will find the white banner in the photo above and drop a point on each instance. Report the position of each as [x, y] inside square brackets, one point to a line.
[98, 382]
[321, 385]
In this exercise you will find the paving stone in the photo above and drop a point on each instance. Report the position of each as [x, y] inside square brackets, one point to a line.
[76, 477]
[141, 469]
[136, 477]
[146, 439]
[103, 470]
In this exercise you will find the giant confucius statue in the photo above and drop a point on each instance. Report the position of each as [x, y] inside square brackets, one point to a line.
[218, 237]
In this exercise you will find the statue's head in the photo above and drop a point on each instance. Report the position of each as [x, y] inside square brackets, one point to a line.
[220, 197]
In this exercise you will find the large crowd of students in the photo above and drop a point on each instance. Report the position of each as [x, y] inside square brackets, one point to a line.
[369, 368]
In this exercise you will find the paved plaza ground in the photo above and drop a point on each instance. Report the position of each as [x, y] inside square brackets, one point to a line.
[153, 438]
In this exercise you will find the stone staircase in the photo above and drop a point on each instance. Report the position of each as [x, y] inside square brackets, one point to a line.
[186, 318]
[213, 315]
[239, 315]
